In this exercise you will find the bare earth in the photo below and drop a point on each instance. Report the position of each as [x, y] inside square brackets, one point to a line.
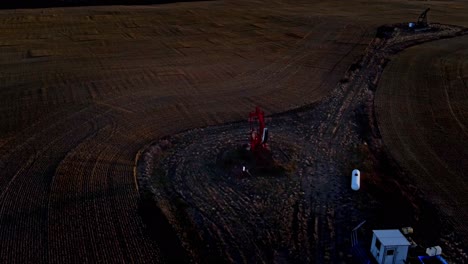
[82, 90]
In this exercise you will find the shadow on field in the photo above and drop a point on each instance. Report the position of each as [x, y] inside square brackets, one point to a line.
[161, 231]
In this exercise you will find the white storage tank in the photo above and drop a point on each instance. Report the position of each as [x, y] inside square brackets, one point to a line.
[355, 180]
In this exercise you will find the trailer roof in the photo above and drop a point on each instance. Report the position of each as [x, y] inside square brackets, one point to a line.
[391, 237]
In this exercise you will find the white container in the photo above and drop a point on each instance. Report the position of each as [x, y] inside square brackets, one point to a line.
[434, 251]
[355, 180]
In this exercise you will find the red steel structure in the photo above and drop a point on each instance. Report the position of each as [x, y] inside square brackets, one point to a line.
[259, 136]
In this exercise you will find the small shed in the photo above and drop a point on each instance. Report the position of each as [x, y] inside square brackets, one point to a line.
[389, 246]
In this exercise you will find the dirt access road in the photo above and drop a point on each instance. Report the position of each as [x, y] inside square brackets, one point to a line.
[83, 89]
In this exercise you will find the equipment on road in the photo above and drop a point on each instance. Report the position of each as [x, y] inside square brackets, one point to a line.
[422, 19]
[421, 24]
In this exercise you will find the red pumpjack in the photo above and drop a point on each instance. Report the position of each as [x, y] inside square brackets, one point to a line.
[259, 136]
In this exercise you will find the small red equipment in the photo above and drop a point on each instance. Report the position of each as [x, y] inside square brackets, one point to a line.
[258, 137]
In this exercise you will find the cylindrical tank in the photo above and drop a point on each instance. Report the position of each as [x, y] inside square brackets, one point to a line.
[434, 251]
[355, 180]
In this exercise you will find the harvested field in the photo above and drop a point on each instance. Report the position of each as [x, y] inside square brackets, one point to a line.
[422, 110]
[82, 90]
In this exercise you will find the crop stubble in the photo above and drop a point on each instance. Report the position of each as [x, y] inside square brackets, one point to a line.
[421, 104]
[83, 89]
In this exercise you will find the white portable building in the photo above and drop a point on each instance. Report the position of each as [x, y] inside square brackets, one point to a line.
[389, 246]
